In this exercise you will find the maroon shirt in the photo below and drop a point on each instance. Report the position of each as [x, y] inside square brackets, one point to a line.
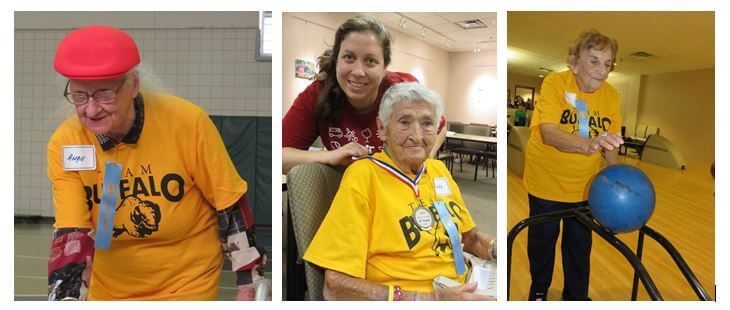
[300, 127]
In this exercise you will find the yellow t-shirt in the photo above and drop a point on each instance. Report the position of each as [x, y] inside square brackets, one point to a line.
[369, 231]
[563, 176]
[165, 243]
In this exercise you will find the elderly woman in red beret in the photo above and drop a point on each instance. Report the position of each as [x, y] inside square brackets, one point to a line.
[143, 186]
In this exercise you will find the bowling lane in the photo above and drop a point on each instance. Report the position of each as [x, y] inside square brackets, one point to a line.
[684, 214]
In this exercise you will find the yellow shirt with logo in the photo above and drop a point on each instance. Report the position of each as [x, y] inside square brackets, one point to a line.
[369, 231]
[165, 243]
[564, 176]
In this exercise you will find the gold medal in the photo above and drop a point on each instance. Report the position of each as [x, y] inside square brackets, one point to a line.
[110, 189]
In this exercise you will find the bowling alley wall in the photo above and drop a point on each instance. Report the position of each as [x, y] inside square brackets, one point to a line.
[681, 104]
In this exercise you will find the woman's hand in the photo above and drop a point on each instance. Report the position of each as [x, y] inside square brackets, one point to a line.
[291, 157]
[461, 292]
[343, 155]
[552, 135]
[86, 274]
[246, 293]
[607, 141]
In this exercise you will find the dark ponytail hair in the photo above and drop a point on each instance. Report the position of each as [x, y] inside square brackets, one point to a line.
[331, 100]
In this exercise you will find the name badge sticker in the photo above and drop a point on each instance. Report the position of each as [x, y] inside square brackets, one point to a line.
[570, 98]
[79, 157]
[441, 186]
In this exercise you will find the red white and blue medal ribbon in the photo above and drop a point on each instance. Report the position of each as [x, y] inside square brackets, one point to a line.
[412, 183]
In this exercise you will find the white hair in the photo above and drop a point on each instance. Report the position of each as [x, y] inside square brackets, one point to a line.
[148, 81]
[409, 92]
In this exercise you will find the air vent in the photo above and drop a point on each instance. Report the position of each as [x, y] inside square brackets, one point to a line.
[641, 54]
[471, 24]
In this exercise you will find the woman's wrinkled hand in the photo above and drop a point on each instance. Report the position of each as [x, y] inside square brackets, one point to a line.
[461, 292]
[344, 154]
[607, 141]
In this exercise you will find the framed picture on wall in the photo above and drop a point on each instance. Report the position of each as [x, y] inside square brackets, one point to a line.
[303, 69]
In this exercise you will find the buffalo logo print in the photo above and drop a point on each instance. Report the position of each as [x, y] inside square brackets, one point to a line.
[138, 218]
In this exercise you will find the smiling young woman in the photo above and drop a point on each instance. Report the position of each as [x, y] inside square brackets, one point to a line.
[341, 105]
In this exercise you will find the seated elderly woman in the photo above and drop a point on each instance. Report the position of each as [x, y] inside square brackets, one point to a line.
[386, 236]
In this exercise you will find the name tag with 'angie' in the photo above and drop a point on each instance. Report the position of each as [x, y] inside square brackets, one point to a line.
[441, 185]
[79, 157]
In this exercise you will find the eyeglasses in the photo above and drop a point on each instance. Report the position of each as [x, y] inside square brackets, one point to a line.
[103, 96]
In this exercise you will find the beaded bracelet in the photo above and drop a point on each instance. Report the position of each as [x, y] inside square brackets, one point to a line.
[397, 293]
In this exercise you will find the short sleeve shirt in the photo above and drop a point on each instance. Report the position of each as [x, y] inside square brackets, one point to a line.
[165, 242]
[371, 231]
[563, 176]
[300, 127]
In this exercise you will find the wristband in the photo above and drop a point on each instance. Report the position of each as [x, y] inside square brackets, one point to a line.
[397, 293]
[492, 247]
[390, 293]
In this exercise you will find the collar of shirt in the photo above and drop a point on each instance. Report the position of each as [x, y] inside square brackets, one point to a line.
[383, 156]
[133, 134]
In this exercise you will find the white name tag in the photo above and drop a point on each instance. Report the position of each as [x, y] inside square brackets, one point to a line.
[441, 186]
[570, 98]
[79, 157]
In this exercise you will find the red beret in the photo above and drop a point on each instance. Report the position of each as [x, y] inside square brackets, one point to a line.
[96, 53]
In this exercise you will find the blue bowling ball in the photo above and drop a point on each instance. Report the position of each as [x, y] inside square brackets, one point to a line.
[621, 198]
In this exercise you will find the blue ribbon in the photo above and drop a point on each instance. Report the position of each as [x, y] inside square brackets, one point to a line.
[454, 236]
[109, 194]
[583, 128]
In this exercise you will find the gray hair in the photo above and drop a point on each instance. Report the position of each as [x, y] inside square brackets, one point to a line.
[409, 92]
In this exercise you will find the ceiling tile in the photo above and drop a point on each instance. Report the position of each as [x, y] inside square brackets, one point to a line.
[487, 38]
[480, 32]
[433, 20]
[446, 28]
[485, 15]
[416, 15]
[387, 17]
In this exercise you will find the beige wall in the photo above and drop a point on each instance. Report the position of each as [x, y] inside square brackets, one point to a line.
[307, 41]
[304, 41]
[473, 92]
[628, 88]
[465, 81]
[682, 104]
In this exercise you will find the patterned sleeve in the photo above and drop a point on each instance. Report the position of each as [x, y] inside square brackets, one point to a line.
[238, 238]
[71, 248]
